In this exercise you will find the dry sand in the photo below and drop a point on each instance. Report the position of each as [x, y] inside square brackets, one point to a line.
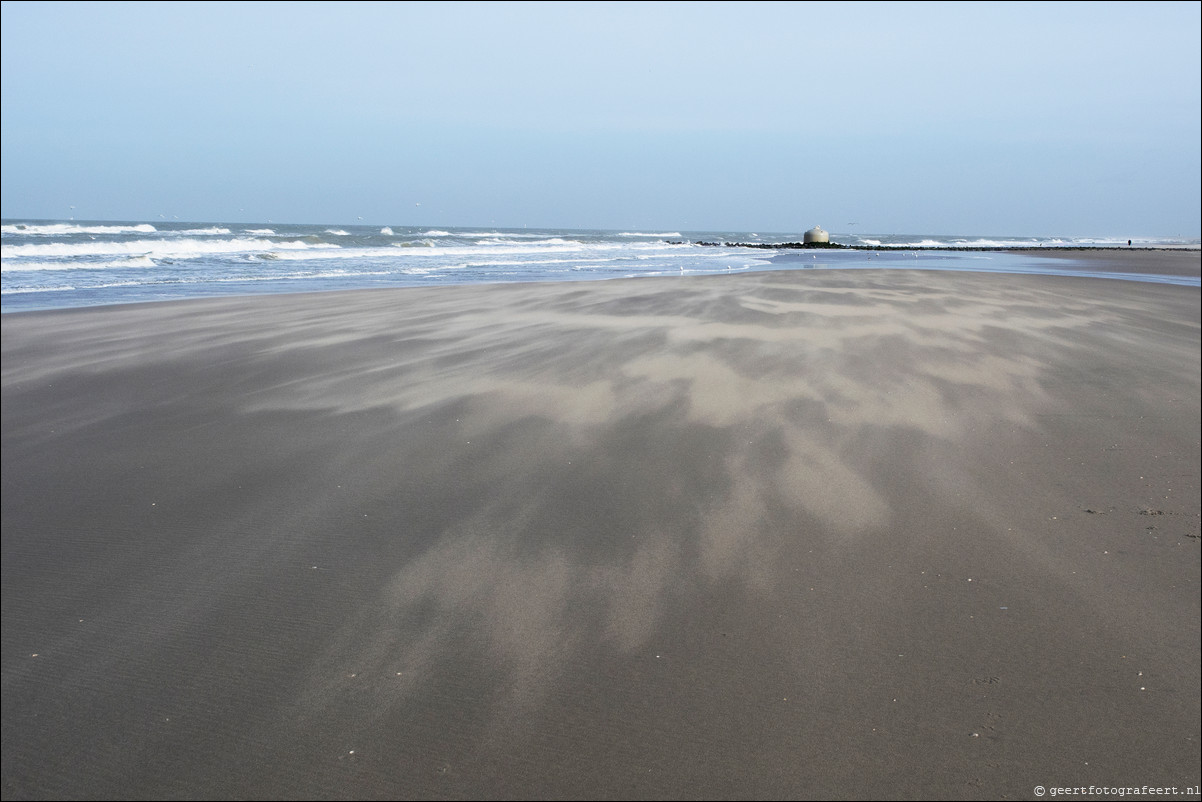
[791, 534]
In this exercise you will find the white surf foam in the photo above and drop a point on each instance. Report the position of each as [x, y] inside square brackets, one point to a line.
[27, 290]
[158, 249]
[66, 229]
[550, 241]
[202, 231]
[502, 234]
[18, 267]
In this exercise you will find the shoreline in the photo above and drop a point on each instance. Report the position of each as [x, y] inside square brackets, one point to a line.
[1173, 262]
[773, 534]
[834, 246]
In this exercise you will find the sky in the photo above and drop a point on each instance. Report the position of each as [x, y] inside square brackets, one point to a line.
[1040, 119]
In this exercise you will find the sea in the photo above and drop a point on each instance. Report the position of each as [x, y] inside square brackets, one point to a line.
[62, 264]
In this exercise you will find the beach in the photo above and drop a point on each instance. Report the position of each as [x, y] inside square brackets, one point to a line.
[782, 534]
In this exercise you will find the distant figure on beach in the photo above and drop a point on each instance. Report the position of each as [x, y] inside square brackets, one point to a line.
[1128, 242]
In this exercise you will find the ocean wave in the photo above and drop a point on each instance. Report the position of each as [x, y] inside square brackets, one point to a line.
[991, 243]
[926, 243]
[488, 249]
[485, 250]
[297, 276]
[503, 234]
[159, 249]
[202, 231]
[640, 234]
[143, 261]
[498, 235]
[66, 229]
[260, 232]
[386, 231]
[433, 269]
[313, 254]
[70, 287]
[549, 241]
[27, 290]
[541, 262]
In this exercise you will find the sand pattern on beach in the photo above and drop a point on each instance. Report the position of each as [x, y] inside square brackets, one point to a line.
[770, 534]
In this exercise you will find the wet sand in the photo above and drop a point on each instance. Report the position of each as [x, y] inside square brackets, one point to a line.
[783, 534]
[1146, 261]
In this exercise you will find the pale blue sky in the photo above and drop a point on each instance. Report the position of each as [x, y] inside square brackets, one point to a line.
[1074, 119]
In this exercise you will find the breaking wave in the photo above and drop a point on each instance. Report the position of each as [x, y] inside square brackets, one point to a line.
[159, 249]
[67, 229]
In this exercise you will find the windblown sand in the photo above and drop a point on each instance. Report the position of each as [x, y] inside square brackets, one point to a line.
[789, 534]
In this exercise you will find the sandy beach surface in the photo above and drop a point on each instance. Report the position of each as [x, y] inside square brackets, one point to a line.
[784, 534]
